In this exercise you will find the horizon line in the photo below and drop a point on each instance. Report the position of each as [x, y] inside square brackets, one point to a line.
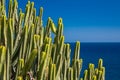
[91, 42]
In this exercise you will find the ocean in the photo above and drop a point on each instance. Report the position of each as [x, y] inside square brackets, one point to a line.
[109, 52]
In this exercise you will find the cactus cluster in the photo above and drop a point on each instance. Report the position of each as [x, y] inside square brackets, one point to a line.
[93, 73]
[27, 51]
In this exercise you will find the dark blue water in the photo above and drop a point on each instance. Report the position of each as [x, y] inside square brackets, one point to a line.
[109, 52]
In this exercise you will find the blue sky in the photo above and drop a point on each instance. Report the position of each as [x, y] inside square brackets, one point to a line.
[84, 20]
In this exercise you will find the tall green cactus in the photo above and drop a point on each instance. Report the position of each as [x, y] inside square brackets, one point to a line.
[2, 62]
[93, 73]
[27, 50]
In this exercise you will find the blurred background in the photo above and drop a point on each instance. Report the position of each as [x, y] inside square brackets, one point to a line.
[84, 20]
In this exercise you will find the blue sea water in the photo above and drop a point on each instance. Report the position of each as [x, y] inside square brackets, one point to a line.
[109, 52]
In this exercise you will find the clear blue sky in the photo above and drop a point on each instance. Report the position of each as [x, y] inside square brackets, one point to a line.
[84, 20]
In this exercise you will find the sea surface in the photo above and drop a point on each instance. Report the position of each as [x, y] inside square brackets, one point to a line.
[109, 52]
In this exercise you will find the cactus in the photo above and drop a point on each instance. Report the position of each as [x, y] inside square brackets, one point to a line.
[93, 73]
[27, 51]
